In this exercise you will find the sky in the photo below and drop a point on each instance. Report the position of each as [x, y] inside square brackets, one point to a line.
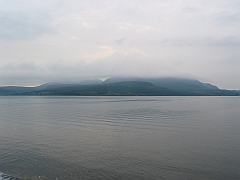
[62, 40]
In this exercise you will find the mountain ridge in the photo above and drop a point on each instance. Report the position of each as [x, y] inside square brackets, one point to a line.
[123, 86]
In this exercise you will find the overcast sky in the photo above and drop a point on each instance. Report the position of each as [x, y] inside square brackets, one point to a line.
[52, 40]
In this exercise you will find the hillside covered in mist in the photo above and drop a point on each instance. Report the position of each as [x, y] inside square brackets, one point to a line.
[118, 86]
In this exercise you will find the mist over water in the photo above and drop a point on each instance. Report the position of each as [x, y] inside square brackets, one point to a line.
[120, 137]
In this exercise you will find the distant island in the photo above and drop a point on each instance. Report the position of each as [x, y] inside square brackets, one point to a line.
[118, 86]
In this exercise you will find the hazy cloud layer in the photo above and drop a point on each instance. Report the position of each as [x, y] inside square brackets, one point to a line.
[23, 26]
[43, 41]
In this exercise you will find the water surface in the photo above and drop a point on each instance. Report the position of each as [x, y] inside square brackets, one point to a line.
[120, 137]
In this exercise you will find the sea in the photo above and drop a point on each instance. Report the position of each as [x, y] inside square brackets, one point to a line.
[135, 137]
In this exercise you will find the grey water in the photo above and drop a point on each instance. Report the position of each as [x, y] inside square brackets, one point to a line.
[120, 137]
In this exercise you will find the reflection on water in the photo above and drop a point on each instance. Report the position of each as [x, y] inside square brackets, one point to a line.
[120, 137]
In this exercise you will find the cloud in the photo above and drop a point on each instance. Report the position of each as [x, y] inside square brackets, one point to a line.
[226, 41]
[20, 73]
[231, 41]
[59, 39]
[24, 25]
[227, 18]
[20, 66]
[121, 40]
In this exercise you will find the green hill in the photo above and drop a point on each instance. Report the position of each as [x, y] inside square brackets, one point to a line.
[124, 87]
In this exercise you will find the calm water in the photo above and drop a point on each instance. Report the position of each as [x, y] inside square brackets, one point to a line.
[120, 137]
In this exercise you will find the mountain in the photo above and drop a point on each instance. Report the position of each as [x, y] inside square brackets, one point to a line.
[170, 83]
[11, 90]
[181, 86]
[19, 90]
[124, 87]
[127, 88]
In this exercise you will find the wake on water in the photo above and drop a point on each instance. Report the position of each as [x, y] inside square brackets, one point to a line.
[7, 177]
